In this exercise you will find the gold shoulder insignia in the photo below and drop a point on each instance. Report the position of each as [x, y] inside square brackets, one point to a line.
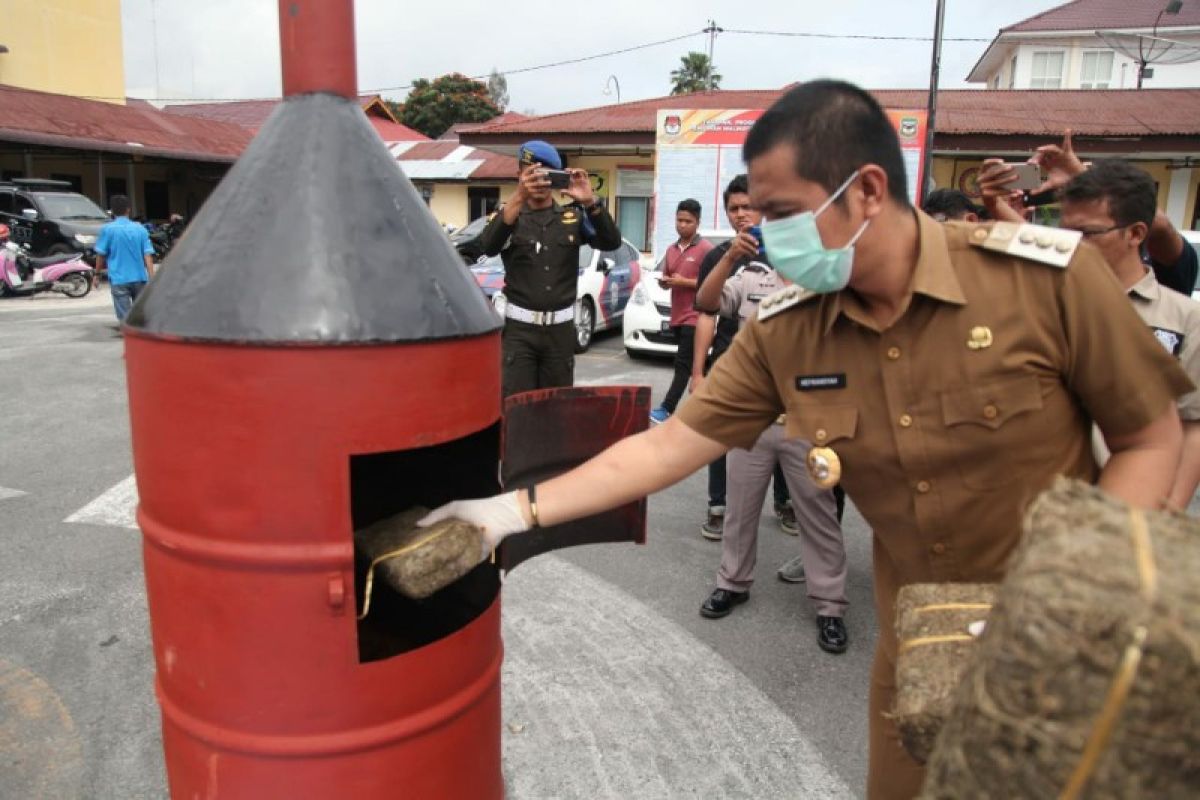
[1053, 246]
[782, 300]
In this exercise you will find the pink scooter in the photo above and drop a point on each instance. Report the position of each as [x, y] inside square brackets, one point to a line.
[22, 274]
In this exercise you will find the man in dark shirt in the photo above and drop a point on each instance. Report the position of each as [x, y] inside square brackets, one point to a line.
[539, 243]
[718, 331]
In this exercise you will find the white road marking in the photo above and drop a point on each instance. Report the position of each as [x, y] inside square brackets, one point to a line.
[606, 698]
[7, 493]
[619, 379]
[116, 507]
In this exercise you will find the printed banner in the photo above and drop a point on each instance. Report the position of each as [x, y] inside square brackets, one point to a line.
[698, 151]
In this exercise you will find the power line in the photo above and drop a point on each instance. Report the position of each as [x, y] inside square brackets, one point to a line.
[378, 90]
[871, 37]
[607, 54]
[579, 60]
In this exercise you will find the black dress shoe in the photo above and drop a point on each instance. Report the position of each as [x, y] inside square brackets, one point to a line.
[831, 634]
[721, 602]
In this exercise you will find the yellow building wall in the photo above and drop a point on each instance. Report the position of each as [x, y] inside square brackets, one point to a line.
[449, 201]
[68, 47]
[1193, 221]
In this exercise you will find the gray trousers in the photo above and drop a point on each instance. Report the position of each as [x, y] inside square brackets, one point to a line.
[821, 545]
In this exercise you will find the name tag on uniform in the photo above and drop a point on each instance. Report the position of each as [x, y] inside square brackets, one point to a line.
[754, 298]
[813, 383]
[1171, 340]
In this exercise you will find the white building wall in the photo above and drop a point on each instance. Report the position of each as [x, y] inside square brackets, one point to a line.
[1124, 72]
[1177, 197]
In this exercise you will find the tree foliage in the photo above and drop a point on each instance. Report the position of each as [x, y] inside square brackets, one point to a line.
[693, 74]
[433, 106]
[497, 87]
[397, 109]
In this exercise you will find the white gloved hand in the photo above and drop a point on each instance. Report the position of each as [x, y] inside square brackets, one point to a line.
[497, 516]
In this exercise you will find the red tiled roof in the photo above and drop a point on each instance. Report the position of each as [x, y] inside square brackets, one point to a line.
[395, 132]
[637, 115]
[63, 121]
[429, 150]
[1090, 15]
[960, 111]
[454, 130]
[494, 167]
[253, 113]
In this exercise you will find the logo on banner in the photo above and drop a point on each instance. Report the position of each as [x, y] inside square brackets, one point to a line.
[908, 127]
[673, 125]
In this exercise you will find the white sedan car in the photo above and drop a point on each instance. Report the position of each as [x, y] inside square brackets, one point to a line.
[647, 325]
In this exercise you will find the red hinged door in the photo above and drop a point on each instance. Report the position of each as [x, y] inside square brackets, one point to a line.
[549, 431]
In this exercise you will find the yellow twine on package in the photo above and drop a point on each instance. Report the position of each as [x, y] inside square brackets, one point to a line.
[921, 641]
[1118, 692]
[953, 607]
[399, 551]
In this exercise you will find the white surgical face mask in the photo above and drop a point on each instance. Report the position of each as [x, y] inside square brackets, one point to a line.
[796, 251]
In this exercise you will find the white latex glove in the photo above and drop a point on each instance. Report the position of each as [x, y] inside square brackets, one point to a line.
[497, 516]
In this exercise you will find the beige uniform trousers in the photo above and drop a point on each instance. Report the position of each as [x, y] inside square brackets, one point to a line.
[821, 546]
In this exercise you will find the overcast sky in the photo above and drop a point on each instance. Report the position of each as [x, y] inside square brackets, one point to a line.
[229, 49]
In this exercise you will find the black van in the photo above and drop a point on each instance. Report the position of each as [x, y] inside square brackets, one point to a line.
[50, 216]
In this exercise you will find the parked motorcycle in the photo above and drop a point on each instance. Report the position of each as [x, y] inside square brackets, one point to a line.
[163, 237]
[22, 274]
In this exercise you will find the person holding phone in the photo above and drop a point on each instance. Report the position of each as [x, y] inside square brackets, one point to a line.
[1164, 250]
[679, 268]
[539, 242]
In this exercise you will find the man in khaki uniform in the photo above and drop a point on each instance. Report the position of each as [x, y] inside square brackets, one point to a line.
[822, 549]
[948, 372]
[1113, 206]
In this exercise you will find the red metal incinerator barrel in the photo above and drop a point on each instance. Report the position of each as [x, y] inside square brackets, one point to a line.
[314, 357]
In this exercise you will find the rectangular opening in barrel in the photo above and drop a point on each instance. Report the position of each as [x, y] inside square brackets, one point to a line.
[388, 483]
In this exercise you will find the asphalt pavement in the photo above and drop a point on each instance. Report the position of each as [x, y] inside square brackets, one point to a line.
[614, 686]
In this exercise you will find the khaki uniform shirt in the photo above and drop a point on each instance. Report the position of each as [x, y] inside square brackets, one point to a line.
[943, 445]
[744, 290]
[1174, 319]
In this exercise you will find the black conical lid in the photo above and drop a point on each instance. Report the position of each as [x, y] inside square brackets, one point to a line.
[314, 236]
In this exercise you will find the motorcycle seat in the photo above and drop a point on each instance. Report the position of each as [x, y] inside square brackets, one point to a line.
[58, 258]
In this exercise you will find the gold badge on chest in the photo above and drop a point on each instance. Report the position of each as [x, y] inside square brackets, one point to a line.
[824, 467]
[980, 338]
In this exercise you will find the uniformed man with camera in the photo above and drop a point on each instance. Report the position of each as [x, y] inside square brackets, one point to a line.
[539, 242]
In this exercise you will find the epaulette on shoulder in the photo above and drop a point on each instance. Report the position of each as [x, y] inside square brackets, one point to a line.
[782, 300]
[1053, 246]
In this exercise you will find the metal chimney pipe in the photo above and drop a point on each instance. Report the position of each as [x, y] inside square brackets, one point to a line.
[316, 44]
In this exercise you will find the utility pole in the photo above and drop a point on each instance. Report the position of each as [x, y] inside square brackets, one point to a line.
[712, 30]
[935, 70]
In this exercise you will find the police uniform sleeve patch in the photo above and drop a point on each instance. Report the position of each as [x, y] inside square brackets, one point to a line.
[1053, 246]
[782, 300]
[1171, 340]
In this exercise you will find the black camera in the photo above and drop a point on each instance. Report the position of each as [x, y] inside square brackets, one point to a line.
[559, 178]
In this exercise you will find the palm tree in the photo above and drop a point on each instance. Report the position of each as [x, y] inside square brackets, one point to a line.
[694, 75]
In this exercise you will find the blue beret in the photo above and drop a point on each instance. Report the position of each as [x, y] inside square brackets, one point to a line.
[538, 152]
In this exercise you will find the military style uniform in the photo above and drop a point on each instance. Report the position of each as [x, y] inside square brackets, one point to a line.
[1174, 319]
[541, 273]
[951, 420]
[822, 548]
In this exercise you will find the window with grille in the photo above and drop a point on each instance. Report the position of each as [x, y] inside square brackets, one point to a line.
[1096, 71]
[1047, 71]
[1012, 72]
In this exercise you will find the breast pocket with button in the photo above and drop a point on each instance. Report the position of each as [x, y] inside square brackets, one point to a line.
[822, 425]
[994, 430]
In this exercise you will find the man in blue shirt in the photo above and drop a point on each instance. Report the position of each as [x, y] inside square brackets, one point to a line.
[124, 247]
